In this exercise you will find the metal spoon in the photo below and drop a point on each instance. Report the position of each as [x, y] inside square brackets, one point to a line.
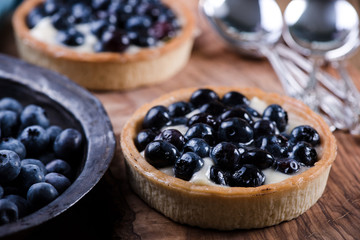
[325, 31]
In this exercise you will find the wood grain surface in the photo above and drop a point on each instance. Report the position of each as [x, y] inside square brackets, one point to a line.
[112, 210]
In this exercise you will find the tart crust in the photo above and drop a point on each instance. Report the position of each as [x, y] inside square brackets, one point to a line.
[109, 71]
[227, 208]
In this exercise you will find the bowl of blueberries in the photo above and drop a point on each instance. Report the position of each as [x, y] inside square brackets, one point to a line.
[56, 142]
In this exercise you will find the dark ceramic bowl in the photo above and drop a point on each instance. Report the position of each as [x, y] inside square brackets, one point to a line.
[67, 105]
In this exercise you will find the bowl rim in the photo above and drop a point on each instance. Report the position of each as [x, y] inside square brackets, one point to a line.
[88, 111]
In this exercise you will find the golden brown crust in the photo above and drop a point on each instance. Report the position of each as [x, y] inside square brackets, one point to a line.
[108, 71]
[227, 208]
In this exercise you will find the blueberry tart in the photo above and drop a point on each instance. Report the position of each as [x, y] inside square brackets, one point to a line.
[106, 44]
[228, 158]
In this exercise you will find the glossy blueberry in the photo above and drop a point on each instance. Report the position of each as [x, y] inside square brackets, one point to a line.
[98, 27]
[156, 117]
[9, 166]
[34, 162]
[35, 16]
[100, 4]
[34, 115]
[70, 37]
[52, 132]
[177, 121]
[143, 40]
[286, 165]
[40, 194]
[253, 112]
[174, 137]
[1, 191]
[59, 181]
[138, 23]
[8, 211]
[226, 156]
[238, 112]
[9, 123]
[305, 133]
[143, 138]
[13, 145]
[264, 128]
[214, 108]
[277, 145]
[51, 6]
[276, 113]
[59, 166]
[29, 175]
[234, 98]
[21, 203]
[67, 144]
[11, 104]
[62, 19]
[161, 30]
[81, 12]
[235, 130]
[34, 139]
[187, 165]
[304, 152]
[219, 176]
[179, 109]
[198, 146]
[247, 176]
[203, 96]
[201, 130]
[260, 158]
[113, 40]
[204, 118]
[161, 153]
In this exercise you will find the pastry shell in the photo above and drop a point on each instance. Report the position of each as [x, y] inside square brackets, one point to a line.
[109, 71]
[227, 208]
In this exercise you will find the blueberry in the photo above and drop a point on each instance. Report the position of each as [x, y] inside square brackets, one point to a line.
[174, 137]
[138, 23]
[51, 6]
[198, 146]
[59, 181]
[11, 104]
[277, 145]
[247, 176]
[276, 113]
[226, 156]
[253, 112]
[143, 40]
[81, 12]
[179, 109]
[143, 138]
[201, 130]
[286, 165]
[238, 112]
[62, 20]
[29, 175]
[203, 96]
[59, 166]
[9, 123]
[52, 132]
[68, 144]
[13, 145]
[235, 130]
[187, 165]
[161, 30]
[1, 191]
[35, 16]
[8, 211]
[177, 121]
[47, 157]
[40, 194]
[305, 133]
[260, 158]
[161, 153]
[34, 115]
[204, 118]
[100, 4]
[21, 203]
[156, 117]
[34, 139]
[70, 37]
[219, 176]
[34, 162]
[98, 27]
[304, 152]
[234, 98]
[264, 128]
[9, 166]
[214, 108]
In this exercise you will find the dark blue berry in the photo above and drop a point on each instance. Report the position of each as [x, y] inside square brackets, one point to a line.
[304, 152]
[113, 40]
[34, 115]
[100, 4]
[81, 12]
[70, 37]
[174, 137]
[52, 132]
[9, 166]
[260, 158]
[187, 165]
[238, 112]
[177, 121]
[201, 130]
[203, 96]
[234, 98]
[1, 191]
[143, 138]
[247, 176]
[40, 194]
[13, 145]
[179, 109]
[21, 203]
[276, 113]
[204, 118]
[35, 16]
[286, 165]
[161, 30]
[62, 19]
[214, 108]
[8, 211]
[156, 117]
[136, 23]
[34, 139]
[277, 145]
[11, 104]
[219, 176]
[253, 112]
[98, 27]
[51, 6]
[198, 146]
[161, 153]
[143, 40]
[9, 123]
[34, 162]
[59, 166]
[305, 133]
[235, 130]
[68, 144]
[226, 156]
[264, 128]
[59, 181]
[29, 175]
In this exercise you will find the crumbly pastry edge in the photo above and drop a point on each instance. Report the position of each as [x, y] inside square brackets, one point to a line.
[227, 208]
[109, 71]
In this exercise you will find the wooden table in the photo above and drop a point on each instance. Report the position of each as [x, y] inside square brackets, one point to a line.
[112, 210]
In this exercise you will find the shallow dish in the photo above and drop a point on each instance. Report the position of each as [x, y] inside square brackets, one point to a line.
[227, 208]
[67, 105]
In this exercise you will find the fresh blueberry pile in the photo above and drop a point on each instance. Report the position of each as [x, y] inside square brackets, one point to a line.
[117, 24]
[37, 159]
[240, 141]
